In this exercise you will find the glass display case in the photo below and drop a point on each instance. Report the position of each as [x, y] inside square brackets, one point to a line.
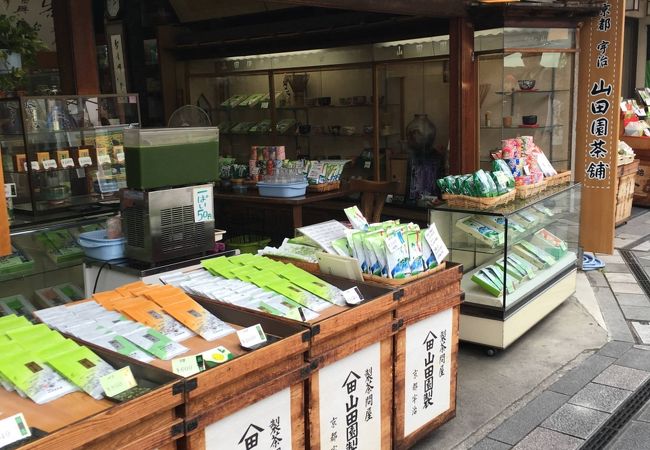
[65, 151]
[519, 260]
[45, 268]
[526, 78]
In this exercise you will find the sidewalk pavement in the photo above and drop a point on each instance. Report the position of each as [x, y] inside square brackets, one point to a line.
[562, 385]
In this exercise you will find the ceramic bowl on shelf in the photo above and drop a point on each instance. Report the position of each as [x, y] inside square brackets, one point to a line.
[526, 85]
[324, 101]
[529, 120]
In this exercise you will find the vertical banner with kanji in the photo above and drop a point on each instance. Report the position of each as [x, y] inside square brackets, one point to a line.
[597, 124]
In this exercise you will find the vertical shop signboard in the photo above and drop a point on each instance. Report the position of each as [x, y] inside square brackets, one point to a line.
[597, 124]
[350, 401]
[427, 380]
[262, 425]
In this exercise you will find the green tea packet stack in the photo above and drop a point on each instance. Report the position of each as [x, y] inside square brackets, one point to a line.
[493, 281]
[154, 342]
[550, 243]
[84, 368]
[481, 232]
[534, 255]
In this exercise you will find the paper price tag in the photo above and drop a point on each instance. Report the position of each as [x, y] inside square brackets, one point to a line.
[264, 105]
[85, 161]
[366, 164]
[188, 365]
[434, 240]
[13, 429]
[120, 157]
[103, 159]
[352, 296]
[49, 164]
[393, 244]
[117, 382]
[252, 336]
[217, 355]
[35, 165]
[67, 162]
[10, 190]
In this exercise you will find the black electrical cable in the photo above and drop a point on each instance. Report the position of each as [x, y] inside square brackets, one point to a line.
[99, 273]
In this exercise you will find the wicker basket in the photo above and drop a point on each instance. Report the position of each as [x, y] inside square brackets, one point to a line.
[624, 159]
[560, 178]
[530, 190]
[465, 201]
[401, 281]
[324, 187]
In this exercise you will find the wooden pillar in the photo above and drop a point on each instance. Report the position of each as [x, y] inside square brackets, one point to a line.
[463, 103]
[75, 45]
[166, 41]
[597, 124]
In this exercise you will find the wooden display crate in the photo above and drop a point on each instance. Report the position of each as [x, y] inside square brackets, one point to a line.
[351, 396]
[625, 184]
[426, 305]
[426, 364]
[273, 413]
[338, 325]
[76, 420]
[209, 390]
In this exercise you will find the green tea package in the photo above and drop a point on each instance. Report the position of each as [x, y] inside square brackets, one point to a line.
[519, 262]
[33, 377]
[501, 182]
[359, 252]
[374, 265]
[487, 235]
[414, 241]
[397, 255]
[342, 247]
[84, 368]
[123, 346]
[376, 243]
[483, 184]
[506, 281]
[499, 165]
[512, 270]
[484, 281]
[153, 342]
[298, 295]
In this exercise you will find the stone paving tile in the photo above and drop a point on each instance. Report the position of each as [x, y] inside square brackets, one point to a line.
[600, 397]
[642, 330]
[632, 300]
[641, 313]
[644, 247]
[616, 277]
[542, 438]
[617, 327]
[636, 359]
[575, 420]
[578, 377]
[634, 436]
[644, 414]
[491, 444]
[615, 349]
[597, 278]
[626, 288]
[529, 417]
[616, 268]
[622, 377]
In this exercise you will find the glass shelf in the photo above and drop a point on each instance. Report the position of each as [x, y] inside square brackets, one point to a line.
[531, 91]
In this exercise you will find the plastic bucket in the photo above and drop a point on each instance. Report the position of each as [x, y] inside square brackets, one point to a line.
[282, 190]
[96, 245]
[247, 243]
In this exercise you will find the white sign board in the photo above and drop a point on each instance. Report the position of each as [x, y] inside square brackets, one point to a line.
[203, 204]
[350, 401]
[427, 383]
[262, 425]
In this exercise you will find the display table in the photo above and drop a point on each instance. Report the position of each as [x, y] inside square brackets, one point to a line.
[275, 217]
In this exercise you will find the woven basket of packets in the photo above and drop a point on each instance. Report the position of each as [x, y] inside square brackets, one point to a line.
[559, 179]
[481, 189]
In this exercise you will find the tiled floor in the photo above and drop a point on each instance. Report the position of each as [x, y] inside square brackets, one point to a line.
[574, 408]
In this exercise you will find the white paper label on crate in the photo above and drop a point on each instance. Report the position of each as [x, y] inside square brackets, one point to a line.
[265, 424]
[103, 159]
[67, 162]
[35, 165]
[252, 336]
[203, 204]
[438, 247]
[118, 381]
[188, 365]
[85, 161]
[352, 296]
[13, 429]
[427, 385]
[49, 164]
[350, 401]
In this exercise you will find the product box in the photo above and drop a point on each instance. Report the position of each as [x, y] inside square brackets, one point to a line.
[481, 232]
[16, 304]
